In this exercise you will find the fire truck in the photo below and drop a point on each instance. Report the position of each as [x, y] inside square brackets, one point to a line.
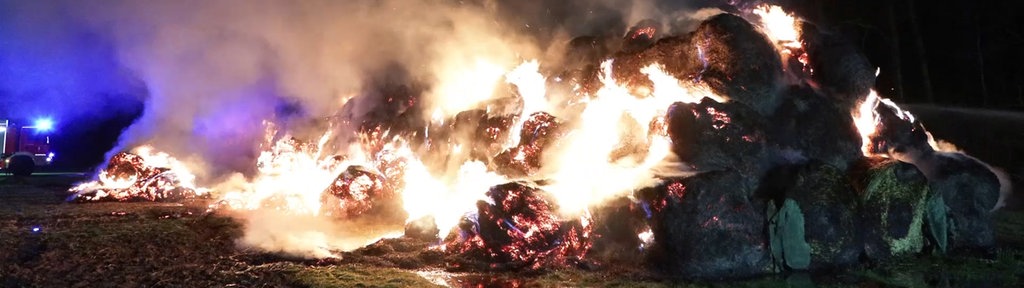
[25, 146]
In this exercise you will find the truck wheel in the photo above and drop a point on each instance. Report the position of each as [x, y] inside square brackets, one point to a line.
[21, 165]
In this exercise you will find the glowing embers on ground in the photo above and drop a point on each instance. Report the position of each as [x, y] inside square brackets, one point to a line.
[140, 175]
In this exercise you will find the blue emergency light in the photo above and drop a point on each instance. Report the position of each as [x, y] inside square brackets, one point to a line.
[44, 124]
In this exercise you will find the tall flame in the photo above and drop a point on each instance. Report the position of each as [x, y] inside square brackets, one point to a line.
[530, 84]
[583, 174]
[780, 26]
[291, 175]
[868, 120]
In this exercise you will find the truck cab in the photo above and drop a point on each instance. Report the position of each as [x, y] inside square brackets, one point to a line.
[25, 146]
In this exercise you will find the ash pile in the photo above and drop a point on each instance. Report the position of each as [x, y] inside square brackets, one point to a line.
[785, 176]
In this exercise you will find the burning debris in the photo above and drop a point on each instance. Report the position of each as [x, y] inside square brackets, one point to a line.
[716, 136]
[359, 192]
[539, 131]
[518, 226]
[140, 176]
[741, 63]
[705, 155]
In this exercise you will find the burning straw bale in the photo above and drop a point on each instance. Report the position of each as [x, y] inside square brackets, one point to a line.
[728, 53]
[478, 133]
[893, 200]
[360, 192]
[742, 63]
[641, 36]
[678, 54]
[708, 226]
[580, 69]
[518, 227]
[539, 132]
[897, 134]
[715, 136]
[128, 177]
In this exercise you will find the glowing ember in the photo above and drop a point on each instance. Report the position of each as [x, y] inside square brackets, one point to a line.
[646, 238]
[518, 223]
[359, 191]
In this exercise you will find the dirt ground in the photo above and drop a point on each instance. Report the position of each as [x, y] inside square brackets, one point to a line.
[49, 243]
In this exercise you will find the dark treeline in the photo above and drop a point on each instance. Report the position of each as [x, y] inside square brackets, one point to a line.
[953, 53]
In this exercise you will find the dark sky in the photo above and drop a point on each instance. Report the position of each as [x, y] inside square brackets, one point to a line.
[954, 53]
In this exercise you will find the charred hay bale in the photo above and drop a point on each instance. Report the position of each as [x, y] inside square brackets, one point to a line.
[897, 133]
[360, 192]
[585, 51]
[716, 136]
[518, 227]
[616, 226]
[641, 36]
[708, 227]
[813, 217]
[481, 130]
[541, 129]
[671, 52]
[126, 165]
[816, 127]
[637, 51]
[838, 65]
[141, 182]
[674, 53]
[626, 71]
[964, 193]
[394, 104]
[539, 132]
[893, 202]
[581, 64]
[742, 63]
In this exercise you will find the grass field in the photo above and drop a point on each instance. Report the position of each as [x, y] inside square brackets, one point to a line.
[48, 243]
